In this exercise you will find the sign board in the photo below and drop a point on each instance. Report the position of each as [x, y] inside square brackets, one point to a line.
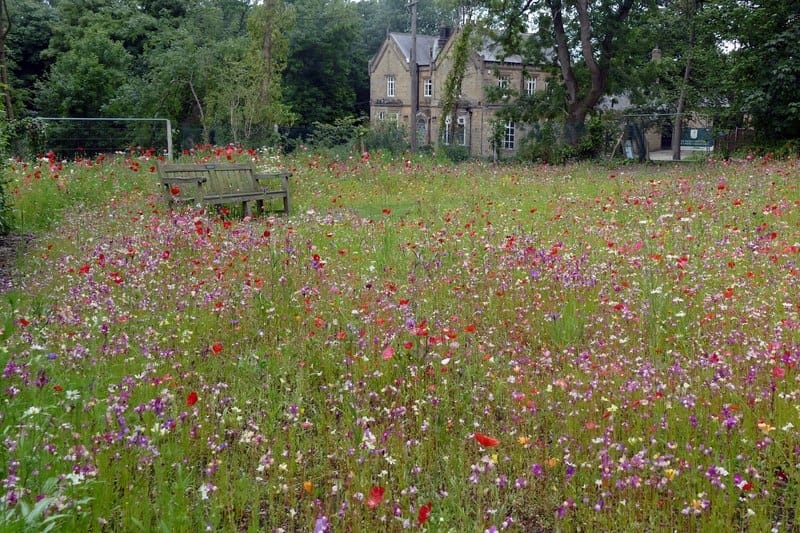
[697, 138]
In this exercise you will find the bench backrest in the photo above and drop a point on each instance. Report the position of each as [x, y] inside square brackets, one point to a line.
[222, 178]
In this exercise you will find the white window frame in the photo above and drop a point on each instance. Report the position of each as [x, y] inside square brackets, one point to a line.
[448, 123]
[530, 86]
[391, 88]
[385, 116]
[509, 135]
[427, 88]
[504, 82]
[461, 128]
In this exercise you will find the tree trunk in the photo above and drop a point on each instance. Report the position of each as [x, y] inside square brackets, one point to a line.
[578, 106]
[574, 126]
[677, 125]
[5, 27]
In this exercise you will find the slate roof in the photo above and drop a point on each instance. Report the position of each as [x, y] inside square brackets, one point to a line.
[428, 45]
[425, 45]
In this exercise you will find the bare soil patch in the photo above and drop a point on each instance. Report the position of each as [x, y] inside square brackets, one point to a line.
[11, 247]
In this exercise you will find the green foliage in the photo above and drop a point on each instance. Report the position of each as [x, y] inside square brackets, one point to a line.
[455, 153]
[344, 131]
[765, 72]
[323, 62]
[27, 137]
[543, 144]
[388, 137]
[462, 48]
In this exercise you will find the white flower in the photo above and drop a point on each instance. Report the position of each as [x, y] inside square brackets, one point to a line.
[73, 395]
[32, 410]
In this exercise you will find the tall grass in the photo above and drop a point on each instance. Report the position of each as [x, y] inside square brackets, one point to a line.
[628, 336]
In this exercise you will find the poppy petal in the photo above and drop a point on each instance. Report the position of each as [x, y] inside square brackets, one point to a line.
[486, 440]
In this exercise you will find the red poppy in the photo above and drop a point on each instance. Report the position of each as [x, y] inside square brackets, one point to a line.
[175, 191]
[216, 347]
[424, 512]
[84, 269]
[191, 399]
[375, 497]
[486, 440]
[24, 322]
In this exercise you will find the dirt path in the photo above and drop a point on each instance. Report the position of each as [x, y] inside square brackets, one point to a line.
[10, 248]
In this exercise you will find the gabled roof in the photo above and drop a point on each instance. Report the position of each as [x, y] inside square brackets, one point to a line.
[425, 45]
[429, 46]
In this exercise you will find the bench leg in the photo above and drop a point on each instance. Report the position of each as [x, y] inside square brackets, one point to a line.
[246, 209]
[259, 207]
[286, 204]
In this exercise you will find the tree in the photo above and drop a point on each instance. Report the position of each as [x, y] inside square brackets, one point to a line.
[583, 35]
[324, 54]
[765, 64]
[31, 22]
[85, 78]
[251, 100]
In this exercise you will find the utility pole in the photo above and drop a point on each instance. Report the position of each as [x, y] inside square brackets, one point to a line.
[414, 77]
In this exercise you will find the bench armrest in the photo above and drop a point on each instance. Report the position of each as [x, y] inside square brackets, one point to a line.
[284, 177]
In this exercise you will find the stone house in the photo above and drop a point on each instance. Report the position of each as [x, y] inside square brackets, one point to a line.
[390, 91]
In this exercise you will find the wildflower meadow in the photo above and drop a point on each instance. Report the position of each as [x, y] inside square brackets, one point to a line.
[416, 346]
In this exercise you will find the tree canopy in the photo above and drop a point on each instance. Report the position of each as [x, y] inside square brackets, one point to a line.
[235, 69]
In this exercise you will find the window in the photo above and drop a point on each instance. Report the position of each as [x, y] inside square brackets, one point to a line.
[530, 86]
[427, 88]
[390, 89]
[384, 116]
[504, 83]
[460, 136]
[508, 135]
[448, 122]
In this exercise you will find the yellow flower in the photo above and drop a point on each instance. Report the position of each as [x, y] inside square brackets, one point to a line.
[670, 473]
[308, 486]
[523, 439]
[765, 428]
[552, 462]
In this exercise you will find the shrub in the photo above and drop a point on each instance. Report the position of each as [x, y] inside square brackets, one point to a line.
[388, 137]
[543, 144]
[343, 131]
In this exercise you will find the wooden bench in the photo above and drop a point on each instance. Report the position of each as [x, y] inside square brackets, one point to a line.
[223, 183]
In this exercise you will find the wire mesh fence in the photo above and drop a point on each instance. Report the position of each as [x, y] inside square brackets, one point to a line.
[71, 137]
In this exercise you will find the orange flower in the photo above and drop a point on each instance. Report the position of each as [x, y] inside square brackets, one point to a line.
[308, 486]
